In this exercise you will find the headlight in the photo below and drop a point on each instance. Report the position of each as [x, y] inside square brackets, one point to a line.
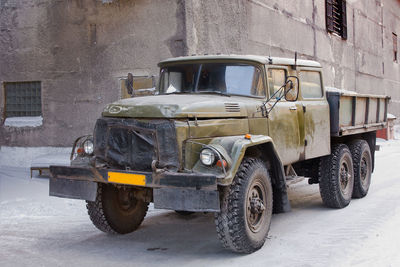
[207, 157]
[88, 147]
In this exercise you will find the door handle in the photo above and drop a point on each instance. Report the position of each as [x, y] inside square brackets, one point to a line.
[293, 108]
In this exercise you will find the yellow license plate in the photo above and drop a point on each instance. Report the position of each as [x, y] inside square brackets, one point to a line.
[127, 178]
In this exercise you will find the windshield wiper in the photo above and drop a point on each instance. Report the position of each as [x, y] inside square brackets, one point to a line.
[213, 92]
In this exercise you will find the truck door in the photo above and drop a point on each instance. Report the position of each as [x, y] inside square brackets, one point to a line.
[316, 114]
[283, 120]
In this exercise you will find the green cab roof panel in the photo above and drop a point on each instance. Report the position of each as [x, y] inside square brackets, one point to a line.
[257, 59]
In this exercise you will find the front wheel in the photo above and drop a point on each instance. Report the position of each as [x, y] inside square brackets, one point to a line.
[116, 210]
[246, 208]
[337, 177]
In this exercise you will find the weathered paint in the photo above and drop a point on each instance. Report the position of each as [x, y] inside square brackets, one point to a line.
[256, 59]
[182, 133]
[202, 118]
[316, 123]
[175, 106]
[296, 130]
[353, 109]
[238, 151]
[284, 129]
[218, 127]
[316, 128]
[233, 148]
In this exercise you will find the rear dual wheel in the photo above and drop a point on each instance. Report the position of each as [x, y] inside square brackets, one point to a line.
[337, 177]
[362, 162]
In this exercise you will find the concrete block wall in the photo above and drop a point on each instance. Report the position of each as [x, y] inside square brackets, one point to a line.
[391, 82]
[362, 63]
[79, 49]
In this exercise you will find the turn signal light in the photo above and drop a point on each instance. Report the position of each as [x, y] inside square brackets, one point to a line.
[223, 163]
[80, 151]
[247, 136]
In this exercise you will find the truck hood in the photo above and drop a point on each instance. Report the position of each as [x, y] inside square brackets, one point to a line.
[177, 106]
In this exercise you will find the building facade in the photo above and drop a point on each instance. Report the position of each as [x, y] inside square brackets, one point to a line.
[61, 61]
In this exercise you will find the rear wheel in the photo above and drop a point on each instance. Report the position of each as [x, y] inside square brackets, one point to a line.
[362, 162]
[246, 208]
[116, 210]
[337, 177]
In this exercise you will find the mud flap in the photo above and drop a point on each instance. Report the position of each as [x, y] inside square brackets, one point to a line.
[186, 199]
[76, 189]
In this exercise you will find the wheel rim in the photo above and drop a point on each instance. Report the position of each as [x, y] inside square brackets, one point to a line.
[126, 201]
[255, 206]
[345, 176]
[365, 172]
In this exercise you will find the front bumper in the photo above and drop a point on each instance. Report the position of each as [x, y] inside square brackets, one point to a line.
[171, 190]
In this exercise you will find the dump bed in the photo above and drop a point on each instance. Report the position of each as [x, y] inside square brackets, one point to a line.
[353, 113]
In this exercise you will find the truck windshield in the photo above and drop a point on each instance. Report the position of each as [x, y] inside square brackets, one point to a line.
[224, 78]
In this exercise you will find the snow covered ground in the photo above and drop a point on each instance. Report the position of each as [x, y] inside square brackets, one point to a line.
[38, 230]
[34, 156]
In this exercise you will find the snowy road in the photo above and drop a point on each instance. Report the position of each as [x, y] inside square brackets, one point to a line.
[38, 230]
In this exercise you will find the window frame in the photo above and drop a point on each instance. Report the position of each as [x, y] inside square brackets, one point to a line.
[319, 71]
[285, 68]
[260, 67]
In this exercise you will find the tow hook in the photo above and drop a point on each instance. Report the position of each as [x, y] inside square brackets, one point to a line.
[154, 164]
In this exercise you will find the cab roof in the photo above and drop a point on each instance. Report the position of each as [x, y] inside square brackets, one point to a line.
[259, 59]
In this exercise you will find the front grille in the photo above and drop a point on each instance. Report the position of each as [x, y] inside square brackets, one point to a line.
[134, 144]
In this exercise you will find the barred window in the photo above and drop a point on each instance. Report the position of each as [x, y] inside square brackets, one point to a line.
[23, 99]
[336, 21]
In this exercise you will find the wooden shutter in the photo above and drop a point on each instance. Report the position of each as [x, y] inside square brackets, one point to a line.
[344, 20]
[329, 15]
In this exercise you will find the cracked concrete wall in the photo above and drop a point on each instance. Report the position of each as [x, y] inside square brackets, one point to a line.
[78, 49]
[216, 26]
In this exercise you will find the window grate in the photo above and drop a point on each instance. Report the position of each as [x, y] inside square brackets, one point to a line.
[23, 99]
[336, 21]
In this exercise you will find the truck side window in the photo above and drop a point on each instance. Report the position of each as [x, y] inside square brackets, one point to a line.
[310, 82]
[276, 78]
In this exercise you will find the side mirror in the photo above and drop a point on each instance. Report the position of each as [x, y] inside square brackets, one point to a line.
[292, 88]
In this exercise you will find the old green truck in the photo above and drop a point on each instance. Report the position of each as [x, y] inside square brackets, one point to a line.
[224, 134]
